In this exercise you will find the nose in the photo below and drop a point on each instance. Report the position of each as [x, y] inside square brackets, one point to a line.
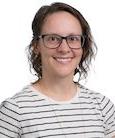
[64, 47]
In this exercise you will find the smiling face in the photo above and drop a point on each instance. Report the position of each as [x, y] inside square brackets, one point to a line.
[62, 61]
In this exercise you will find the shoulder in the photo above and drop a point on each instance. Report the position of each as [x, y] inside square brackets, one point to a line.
[99, 97]
[17, 100]
[10, 113]
[100, 101]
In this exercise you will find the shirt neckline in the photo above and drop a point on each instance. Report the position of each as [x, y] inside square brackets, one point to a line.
[45, 97]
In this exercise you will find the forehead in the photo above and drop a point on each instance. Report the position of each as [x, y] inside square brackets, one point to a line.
[61, 21]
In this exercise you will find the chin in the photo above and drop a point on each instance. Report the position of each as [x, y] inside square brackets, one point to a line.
[62, 73]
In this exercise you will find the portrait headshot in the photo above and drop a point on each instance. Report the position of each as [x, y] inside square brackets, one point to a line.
[60, 76]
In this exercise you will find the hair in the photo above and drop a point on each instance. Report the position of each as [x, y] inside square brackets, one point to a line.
[89, 48]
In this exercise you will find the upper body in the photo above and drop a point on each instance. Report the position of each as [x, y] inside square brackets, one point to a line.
[62, 46]
[31, 114]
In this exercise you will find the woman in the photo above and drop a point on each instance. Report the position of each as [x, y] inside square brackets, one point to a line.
[55, 106]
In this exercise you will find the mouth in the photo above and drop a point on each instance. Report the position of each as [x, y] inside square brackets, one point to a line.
[63, 60]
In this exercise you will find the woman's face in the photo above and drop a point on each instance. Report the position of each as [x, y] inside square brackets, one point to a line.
[61, 61]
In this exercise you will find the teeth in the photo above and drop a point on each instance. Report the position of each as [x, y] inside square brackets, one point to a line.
[63, 60]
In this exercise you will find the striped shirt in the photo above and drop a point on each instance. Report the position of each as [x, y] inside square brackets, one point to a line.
[30, 114]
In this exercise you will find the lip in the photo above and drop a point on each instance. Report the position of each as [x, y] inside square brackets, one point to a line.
[63, 60]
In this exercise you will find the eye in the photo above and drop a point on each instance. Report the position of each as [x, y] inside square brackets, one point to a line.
[52, 38]
[74, 38]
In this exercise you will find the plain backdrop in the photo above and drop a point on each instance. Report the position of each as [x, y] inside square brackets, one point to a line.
[15, 35]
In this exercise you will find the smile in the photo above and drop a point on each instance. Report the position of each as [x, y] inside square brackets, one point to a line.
[63, 60]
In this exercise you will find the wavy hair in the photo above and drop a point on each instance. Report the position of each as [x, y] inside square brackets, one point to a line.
[89, 48]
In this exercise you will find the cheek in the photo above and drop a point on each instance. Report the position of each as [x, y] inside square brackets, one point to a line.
[78, 53]
[46, 55]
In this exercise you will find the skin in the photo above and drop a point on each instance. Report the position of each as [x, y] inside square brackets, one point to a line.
[58, 64]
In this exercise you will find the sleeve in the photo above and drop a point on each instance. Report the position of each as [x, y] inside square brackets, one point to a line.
[108, 111]
[9, 120]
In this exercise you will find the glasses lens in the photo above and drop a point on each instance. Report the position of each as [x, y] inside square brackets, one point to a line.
[75, 41]
[52, 41]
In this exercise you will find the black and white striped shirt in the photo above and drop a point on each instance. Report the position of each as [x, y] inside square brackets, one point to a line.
[30, 114]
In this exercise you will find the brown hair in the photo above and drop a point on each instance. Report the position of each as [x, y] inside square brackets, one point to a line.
[89, 48]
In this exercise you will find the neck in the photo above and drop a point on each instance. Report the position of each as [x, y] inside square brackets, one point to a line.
[58, 89]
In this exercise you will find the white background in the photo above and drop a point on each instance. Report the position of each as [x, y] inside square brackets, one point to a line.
[15, 35]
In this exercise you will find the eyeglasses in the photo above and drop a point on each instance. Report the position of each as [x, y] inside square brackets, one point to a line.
[53, 41]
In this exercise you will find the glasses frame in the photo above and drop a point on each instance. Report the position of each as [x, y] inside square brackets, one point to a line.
[62, 37]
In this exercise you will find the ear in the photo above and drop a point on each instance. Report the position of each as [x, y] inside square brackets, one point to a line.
[36, 48]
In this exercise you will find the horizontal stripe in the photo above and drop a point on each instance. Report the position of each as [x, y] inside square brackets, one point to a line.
[59, 122]
[71, 115]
